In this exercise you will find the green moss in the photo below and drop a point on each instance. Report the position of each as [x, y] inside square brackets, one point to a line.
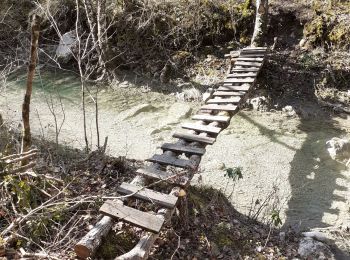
[115, 244]
[222, 235]
[340, 35]
[329, 27]
[246, 9]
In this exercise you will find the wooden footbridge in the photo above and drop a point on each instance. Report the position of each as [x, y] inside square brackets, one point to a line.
[183, 155]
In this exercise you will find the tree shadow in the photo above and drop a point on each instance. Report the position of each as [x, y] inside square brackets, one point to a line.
[316, 180]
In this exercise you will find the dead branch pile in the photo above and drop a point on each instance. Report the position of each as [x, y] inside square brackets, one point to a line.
[47, 205]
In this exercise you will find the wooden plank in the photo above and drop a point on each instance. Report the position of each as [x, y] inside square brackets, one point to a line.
[183, 149]
[171, 160]
[235, 80]
[139, 218]
[163, 175]
[162, 199]
[242, 75]
[219, 107]
[228, 93]
[235, 88]
[253, 51]
[211, 118]
[249, 59]
[195, 138]
[255, 48]
[202, 128]
[249, 64]
[252, 55]
[251, 69]
[224, 100]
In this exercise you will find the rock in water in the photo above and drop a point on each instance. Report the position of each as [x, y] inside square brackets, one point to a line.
[136, 110]
[312, 249]
[178, 111]
[338, 148]
[66, 46]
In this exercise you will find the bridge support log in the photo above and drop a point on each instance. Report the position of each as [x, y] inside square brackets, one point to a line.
[91, 241]
[87, 246]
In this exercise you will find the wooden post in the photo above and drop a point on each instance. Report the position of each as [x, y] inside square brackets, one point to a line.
[183, 209]
[26, 138]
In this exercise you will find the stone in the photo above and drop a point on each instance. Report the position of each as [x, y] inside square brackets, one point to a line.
[302, 43]
[312, 249]
[124, 84]
[258, 103]
[178, 111]
[189, 94]
[289, 110]
[160, 129]
[319, 236]
[208, 94]
[132, 112]
[282, 236]
[338, 148]
[66, 46]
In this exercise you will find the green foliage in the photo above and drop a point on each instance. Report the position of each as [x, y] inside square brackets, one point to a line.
[22, 191]
[234, 173]
[275, 217]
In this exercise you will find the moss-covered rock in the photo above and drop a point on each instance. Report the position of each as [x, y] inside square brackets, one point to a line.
[330, 26]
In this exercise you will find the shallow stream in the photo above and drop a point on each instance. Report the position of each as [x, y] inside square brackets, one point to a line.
[284, 160]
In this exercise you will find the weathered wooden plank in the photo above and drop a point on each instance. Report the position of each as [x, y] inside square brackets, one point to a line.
[170, 160]
[252, 55]
[251, 69]
[162, 199]
[244, 87]
[139, 218]
[211, 118]
[195, 138]
[249, 59]
[235, 80]
[253, 51]
[255, 48]
[163, 175]
[202, 128]
[183, 149]
[219, 107]
[228, 93]
[246, 63]
[242, 75]
[224, 100]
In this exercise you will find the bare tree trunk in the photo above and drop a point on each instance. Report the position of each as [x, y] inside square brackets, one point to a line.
[96, 17]
[82, 77]
[96, 119]
[262, 7]
[26, 138]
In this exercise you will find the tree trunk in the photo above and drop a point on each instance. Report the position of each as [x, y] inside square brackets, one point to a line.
[26, 138]
[262, 7]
